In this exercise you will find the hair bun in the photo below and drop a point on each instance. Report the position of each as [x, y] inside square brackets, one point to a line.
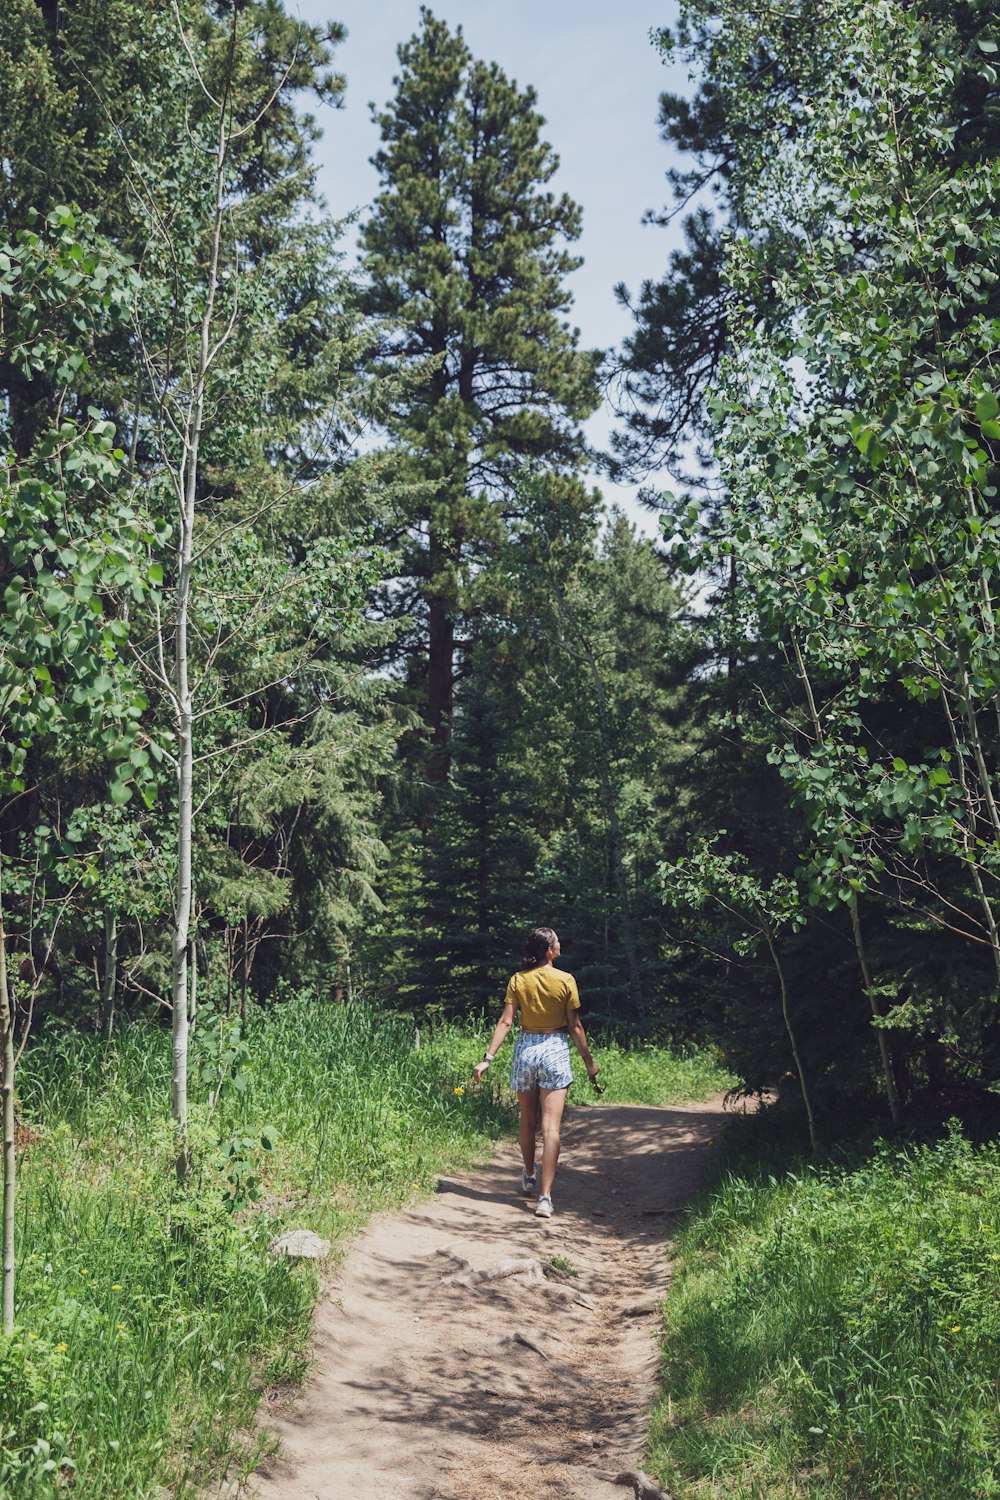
[537, 945]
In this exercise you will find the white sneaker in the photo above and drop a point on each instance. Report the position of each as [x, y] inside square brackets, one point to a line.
[543, 1209]
[527, 1183]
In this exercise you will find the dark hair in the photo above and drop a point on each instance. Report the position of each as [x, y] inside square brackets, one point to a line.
[536, 946]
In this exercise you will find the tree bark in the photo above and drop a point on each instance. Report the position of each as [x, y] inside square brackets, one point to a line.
[109, 977]
[184, 701]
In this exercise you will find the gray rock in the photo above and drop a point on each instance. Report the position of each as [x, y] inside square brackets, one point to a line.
[300, 1244]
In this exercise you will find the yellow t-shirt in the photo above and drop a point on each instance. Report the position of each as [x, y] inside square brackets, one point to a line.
[543, 996]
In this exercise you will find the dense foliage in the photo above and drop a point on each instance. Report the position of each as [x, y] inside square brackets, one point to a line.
[845, 712]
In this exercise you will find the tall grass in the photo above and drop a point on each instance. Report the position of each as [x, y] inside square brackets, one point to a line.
[150, 1316]
[836, 1334]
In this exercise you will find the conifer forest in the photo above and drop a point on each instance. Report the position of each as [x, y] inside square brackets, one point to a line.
[327, 670]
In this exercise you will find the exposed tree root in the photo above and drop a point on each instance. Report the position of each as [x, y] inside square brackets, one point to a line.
[532, 1269]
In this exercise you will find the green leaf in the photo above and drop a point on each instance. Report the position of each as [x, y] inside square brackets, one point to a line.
[987, 407]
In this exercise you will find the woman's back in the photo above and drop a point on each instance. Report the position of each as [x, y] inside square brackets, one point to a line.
[543, 995]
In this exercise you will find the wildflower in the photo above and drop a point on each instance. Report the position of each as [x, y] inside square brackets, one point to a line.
[116, 1286]
[956, 1328]
[61, 1348]
[460, 1091]
[415, 1186]
[84, 1271]
[33, 1337]
[120, 1327]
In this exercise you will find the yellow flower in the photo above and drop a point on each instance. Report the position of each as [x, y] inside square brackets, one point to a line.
[84, 1272]
[415, 1186]
[33, 1337]
[956, 1328]
[61, 1348]
[459, 1091]
[116, 1286]
[120, 1327]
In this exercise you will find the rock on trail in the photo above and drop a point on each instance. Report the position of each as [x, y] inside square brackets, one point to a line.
[454, 1361]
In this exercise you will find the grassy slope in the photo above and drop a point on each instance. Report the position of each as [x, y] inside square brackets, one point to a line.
[835, 1333]
[149, 1316]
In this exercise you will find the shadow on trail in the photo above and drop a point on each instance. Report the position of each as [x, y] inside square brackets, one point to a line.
[437, 1367]
[606, 1193]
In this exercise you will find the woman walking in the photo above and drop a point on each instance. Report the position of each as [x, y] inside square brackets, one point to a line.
[540, 1073]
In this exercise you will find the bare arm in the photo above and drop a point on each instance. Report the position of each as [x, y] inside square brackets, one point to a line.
[579, 1036]
[504, 1024]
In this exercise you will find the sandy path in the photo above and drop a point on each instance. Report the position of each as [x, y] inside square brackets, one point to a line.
[422, 1387]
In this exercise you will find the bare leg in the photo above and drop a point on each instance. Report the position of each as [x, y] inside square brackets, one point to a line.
[553, 1103]
[528, 1100]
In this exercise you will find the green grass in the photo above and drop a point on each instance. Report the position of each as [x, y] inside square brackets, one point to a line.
[835, 1333]
[150, 1317]
[648, 1074]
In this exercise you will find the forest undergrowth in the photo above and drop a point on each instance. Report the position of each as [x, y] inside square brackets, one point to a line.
[833, 1331]
[151, 1315]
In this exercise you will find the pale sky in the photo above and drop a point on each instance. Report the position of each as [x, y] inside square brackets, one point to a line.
[598, 79]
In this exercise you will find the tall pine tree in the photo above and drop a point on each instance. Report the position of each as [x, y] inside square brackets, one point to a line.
[466, 258]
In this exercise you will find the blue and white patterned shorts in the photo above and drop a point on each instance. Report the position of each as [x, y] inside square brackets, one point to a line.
[541, 1060]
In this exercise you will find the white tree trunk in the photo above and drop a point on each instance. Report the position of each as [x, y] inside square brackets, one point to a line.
[109, 977]
[184, 698]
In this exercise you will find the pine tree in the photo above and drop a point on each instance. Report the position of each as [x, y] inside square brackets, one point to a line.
[466, 258]
[474, 894]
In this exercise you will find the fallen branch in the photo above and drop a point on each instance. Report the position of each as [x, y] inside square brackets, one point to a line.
[643, 1487]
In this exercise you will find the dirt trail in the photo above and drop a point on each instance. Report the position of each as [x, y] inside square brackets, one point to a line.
[424, 1388]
